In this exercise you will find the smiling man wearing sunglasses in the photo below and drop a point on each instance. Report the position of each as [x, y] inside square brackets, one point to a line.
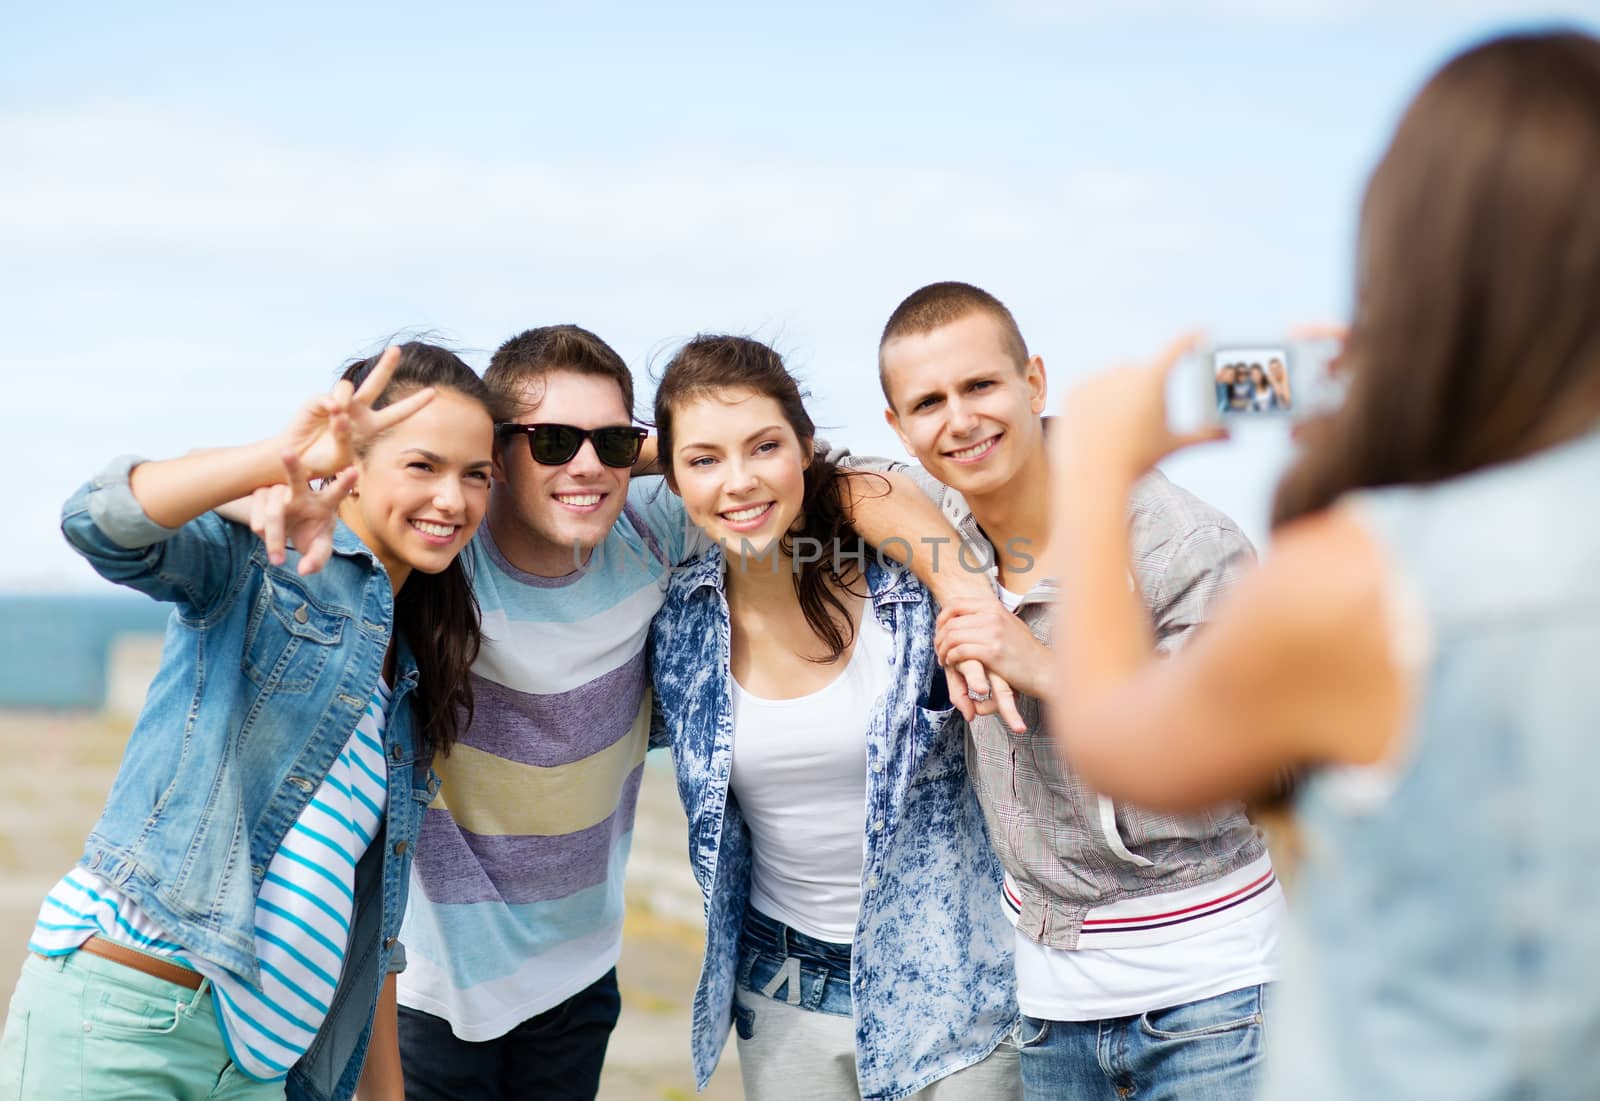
[560, 498]
[515, 922]
[556, 444]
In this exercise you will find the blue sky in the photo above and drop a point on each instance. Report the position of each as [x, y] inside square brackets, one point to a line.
[203, 213]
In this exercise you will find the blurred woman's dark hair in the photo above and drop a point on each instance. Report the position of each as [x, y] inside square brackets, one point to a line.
[437, 614]
[709, 366]
[1476, 335]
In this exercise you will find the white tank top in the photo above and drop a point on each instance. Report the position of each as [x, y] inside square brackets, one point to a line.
[800, 775]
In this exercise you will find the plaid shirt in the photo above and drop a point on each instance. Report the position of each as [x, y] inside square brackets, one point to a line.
[1065, 848]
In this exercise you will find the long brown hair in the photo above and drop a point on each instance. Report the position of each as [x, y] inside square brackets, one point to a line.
[710, 365]
[1476, 336]
[437, 614]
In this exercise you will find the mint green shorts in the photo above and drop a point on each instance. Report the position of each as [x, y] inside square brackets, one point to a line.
[82, 1028]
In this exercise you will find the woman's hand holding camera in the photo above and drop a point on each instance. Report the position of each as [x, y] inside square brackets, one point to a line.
[1116, 422]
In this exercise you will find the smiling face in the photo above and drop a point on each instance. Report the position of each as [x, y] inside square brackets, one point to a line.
[963, 406]
[424, 486]
[739, 467]
[546, 519]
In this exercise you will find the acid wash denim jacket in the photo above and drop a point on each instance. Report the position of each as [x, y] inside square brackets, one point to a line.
[1447, 942]
[263, 676]
[932, 979]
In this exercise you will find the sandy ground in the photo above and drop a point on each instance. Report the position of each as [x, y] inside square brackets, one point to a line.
[64, 766]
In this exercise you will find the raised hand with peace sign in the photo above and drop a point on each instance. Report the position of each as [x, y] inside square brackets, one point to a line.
[332, 428]
[298, 513]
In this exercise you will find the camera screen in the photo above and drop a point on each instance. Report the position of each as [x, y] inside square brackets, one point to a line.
[1252, 380]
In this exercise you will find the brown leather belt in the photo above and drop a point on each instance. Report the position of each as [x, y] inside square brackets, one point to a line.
[142, 961]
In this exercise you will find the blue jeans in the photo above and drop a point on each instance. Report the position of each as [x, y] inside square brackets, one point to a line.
[1209, 1050]
[777, 962]
[555, 1056]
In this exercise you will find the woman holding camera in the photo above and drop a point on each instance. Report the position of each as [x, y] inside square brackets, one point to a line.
[1422, 639]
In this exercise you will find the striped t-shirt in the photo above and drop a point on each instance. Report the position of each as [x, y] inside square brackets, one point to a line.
[516, 892]
[302, 913]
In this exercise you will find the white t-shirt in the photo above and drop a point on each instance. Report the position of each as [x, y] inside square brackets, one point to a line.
[1235, 944]
[1093, 984]
[800, 775]
[516, 899]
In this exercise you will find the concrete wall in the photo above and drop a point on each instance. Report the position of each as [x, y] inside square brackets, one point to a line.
[131, 663]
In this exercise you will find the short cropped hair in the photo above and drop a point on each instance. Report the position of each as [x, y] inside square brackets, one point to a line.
[940, 304]
[537, 352]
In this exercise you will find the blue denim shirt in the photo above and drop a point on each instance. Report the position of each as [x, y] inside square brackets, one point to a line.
[1446, 942]
[263, 676]
[932, 984]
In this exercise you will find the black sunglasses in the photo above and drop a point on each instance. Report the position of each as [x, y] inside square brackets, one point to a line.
[554, 444]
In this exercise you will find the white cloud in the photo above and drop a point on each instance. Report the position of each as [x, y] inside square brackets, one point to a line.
[121, 181]
[182, 282]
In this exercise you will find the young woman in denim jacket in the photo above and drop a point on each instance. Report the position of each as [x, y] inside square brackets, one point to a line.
[228, 930]
[852, 930]
[1423, 637]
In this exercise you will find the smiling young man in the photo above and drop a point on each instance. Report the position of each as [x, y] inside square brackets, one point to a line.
[515, 921]
[1144, 940]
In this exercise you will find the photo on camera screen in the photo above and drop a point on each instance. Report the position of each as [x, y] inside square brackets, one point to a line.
[1253, 379]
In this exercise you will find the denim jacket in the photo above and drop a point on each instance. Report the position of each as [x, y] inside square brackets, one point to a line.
[1446, 935]
[932, 983]
[263, 676]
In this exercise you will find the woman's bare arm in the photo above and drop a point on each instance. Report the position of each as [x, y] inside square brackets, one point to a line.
[897, 518]
[322, 436]
[1296, 666]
